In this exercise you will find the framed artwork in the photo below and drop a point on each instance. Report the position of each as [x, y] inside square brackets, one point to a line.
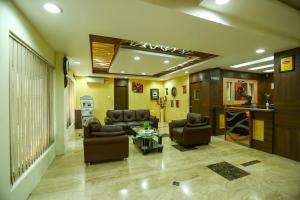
[287, 64]
[174, 91]
[184, 89]
[177, 103]
[172, 103]
[154, 93]
[137, 87]
[241, 90]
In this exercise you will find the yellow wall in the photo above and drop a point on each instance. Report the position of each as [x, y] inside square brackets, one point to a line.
[143, 100]
[184, 99]
[103, 95]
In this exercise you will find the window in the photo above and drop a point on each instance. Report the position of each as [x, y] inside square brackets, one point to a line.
[31, 105]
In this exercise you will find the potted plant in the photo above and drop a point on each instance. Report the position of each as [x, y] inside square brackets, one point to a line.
[267, 99]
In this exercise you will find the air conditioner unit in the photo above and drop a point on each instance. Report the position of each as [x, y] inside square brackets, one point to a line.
[95, 80]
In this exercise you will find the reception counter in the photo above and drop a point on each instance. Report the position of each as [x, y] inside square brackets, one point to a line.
[251, 126]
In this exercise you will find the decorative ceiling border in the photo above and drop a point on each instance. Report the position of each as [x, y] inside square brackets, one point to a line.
[105, 49]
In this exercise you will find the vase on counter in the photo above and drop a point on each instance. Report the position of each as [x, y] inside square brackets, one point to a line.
[267, 104]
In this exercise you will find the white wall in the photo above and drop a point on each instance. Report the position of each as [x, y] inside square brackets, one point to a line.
[11, 19]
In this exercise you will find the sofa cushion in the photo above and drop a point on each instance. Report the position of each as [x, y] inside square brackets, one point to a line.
[135, 123]
[129, 115]
[142, 115]
[194, 118]
[123, 124]
[177, 131]
[115, 115]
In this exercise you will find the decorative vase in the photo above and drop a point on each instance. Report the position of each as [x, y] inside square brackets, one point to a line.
[267, 104]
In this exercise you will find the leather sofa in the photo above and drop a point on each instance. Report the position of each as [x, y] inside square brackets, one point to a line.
[195, 130]
[103, 143]
[129, 118]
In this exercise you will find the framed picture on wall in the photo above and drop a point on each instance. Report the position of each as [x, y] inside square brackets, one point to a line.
[154, 93]
[287, 64]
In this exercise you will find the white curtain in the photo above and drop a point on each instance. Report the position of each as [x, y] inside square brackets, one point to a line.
[31, 106]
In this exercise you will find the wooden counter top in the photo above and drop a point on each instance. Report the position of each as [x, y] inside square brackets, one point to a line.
[255, 109]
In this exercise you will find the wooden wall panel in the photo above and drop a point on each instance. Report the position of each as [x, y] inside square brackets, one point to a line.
[287, 102]
[214, 79]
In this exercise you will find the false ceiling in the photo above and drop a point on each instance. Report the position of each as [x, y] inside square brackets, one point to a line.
[232, 31]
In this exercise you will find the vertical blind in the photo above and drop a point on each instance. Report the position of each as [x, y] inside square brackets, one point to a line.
[31, 105]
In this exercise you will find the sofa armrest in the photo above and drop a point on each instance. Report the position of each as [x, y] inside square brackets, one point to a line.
[206, 119]
[108, 121]
[111, 128]
[178, 123]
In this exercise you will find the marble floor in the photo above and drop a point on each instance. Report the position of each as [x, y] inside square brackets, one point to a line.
[151, 176]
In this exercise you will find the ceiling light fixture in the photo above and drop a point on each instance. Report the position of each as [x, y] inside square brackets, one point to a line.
[77, 62]
[52, 8]
[143, 73]
[126, 77]
[166, 61]
[253, 62]
[186, 72]
[221, 2]
[122, 72]
[269, 71]
[262, 67]
[137, 58]
[259, 51]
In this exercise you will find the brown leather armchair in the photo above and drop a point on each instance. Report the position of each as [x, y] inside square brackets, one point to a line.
[102, 143]
[194, 130]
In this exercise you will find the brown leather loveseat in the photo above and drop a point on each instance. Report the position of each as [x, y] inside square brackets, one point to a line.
[102, 143]
[128, 118]
[194, 130]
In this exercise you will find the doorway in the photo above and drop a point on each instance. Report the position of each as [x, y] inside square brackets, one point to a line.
[121, 94]
[199, 97]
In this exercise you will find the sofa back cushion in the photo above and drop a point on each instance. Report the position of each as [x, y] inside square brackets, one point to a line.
[129, 115]
[142, 115]
[115, 115]
[195, 118]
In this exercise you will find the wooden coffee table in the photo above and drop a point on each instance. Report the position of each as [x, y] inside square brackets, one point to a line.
[147, 140]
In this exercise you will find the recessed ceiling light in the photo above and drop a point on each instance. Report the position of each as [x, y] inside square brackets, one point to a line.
[221, 2]
[126, 77]
[262, 67]
[122, 72]
[166, 61]
[77, 62]
[253, 62]
[137, 58]
[52, 8]
[143, 73]
[186, 72]
[260, 51]
[269, 71]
